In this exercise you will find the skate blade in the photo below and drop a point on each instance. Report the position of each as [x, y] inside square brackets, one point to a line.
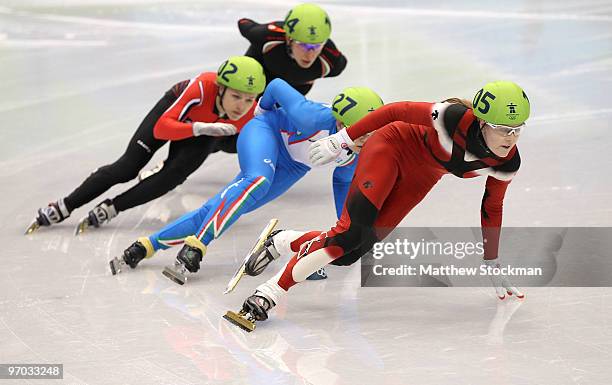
[241, 272]
[240, 321]
[32, 227]
[82, 226]
[115, 265]
[235, 279]
[174, 275]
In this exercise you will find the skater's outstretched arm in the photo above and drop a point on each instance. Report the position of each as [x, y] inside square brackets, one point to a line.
[306, 115]
[493, 200]
[409, 112]
[491, 215]
[171, 125]
[491, 220]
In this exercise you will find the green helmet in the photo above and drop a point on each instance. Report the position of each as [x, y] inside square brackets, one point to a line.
[354, 103]
[502, 102]
[307, 23]
[242, 73]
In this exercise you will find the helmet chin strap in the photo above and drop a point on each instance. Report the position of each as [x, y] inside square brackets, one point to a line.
[481, 137]
[219, 102]
[289, 52]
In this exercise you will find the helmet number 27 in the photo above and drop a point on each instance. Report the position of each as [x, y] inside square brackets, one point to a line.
[351, 103]
[480, 98]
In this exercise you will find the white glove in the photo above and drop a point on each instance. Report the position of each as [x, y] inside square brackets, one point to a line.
[501, 284]
[327, 149]
[213, 129]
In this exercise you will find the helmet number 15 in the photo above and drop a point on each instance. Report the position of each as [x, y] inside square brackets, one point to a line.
[351, 103]
[482, 99]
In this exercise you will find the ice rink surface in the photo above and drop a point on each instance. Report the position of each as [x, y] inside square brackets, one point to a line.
[76, 78]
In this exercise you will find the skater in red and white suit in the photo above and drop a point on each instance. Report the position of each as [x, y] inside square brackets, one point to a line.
[412, 146]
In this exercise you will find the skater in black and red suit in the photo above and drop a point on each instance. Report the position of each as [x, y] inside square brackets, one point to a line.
[198, 117]
[298, 49]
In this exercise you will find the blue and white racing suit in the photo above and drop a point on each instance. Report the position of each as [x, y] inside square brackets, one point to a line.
[273, 155]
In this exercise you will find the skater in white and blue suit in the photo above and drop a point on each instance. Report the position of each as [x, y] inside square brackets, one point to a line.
[273, 155]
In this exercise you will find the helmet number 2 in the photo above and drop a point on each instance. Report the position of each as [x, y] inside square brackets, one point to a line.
[483, 98]
[223, 72]
[351, 103]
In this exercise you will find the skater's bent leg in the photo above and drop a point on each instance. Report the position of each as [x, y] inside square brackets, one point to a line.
[258, 151]
[291, 241]
[184, 157]
[174, 234]
[228, 205]
[295, 271]
[353, 256]
[139, 151]
[372, 184]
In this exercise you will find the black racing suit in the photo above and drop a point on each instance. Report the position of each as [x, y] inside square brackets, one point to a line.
[269, 48]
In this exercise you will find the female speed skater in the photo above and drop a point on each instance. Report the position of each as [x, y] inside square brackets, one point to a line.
[414, 145]
[197, 116]
[297, 49]
[273, 155]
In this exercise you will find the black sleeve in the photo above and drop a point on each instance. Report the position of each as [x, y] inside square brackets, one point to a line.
[303, 88]
[251, 30]
[336, 60]
[278, 64]
[227, 144]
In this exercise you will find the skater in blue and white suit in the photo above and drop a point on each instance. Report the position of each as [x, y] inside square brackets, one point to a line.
[273, 155]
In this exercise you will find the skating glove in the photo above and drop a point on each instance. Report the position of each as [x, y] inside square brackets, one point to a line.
[213, 129]
[501, 283]
[359, 142]
[327, 149]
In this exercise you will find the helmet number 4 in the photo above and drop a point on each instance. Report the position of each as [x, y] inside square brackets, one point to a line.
[223, 72]
[351, 103]
[483, 98]
[291, 24]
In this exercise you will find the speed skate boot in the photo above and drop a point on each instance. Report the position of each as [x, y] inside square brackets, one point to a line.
[187, 260]
[255, 308]
[257, 258]
[269, 251]
[131, 256]
[99, 215]
[261, 257]
[55, 212]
